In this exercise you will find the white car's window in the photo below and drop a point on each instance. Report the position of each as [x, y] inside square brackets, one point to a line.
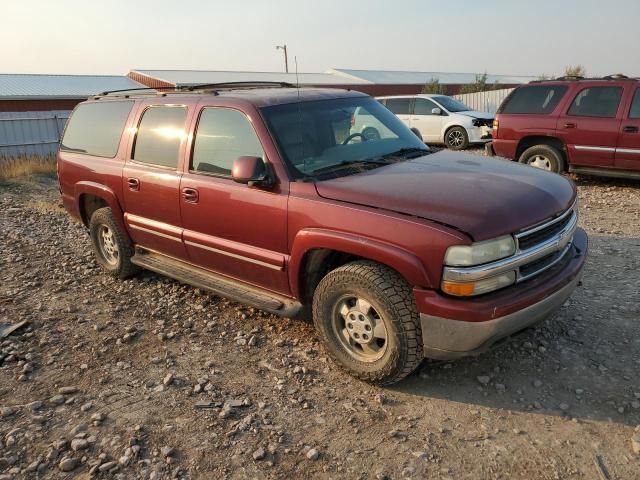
[424, 107]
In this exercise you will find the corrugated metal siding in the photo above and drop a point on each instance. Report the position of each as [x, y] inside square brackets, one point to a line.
[31, 133]
[485, 101]
[26, 86]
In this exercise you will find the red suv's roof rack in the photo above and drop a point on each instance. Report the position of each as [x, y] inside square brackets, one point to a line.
[615, 76]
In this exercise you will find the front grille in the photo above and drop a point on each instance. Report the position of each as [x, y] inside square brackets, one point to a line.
[528, 240]
[538, 265]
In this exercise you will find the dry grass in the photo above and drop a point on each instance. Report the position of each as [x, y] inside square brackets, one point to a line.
[24, 166]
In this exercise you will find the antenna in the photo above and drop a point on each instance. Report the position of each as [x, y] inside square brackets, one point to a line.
[304, 158]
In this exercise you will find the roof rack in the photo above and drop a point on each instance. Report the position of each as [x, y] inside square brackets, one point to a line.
[108, 92]
[193, 88]
[615, 76]
[256, 84]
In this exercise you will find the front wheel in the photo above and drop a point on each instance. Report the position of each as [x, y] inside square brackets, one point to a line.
[456, 138]
[367, 319]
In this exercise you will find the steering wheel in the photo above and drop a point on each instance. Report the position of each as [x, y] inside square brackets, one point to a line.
[352, 136]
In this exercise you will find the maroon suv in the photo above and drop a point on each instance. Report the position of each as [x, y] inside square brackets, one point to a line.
[589, 126]
[266, 196]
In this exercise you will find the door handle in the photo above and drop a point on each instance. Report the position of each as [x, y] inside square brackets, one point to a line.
[190, 195]
[569, 125]
[630, 129]
[134, 184]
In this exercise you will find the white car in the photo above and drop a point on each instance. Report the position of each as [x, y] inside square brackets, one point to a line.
[439, 119]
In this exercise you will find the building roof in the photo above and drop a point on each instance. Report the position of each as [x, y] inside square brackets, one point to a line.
[394, 77]
[28, 86]
[199, 77]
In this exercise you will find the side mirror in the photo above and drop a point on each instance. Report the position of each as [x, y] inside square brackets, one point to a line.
[436, 111]
[251, 171]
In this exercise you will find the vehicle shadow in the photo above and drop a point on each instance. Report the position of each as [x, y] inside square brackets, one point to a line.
[582, 362]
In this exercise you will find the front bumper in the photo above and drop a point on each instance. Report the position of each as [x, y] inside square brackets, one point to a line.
[472, 326]
[479, 134]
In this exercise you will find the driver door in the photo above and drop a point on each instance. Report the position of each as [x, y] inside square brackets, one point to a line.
[429, 124]
[232, 228]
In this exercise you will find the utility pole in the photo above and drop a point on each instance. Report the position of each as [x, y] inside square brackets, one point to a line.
[286, 61]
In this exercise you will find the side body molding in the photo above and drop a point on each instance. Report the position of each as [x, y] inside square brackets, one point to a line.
[403, 261]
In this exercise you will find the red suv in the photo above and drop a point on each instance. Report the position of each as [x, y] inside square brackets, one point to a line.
[589, 126]
[264, 195]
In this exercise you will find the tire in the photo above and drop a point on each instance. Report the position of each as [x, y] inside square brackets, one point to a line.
[113, 249]
[456, 138]
[418, 134]
[375, 304]
[544, 157]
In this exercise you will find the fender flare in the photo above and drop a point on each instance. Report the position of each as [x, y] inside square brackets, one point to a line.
[403, 261]
[104, 192]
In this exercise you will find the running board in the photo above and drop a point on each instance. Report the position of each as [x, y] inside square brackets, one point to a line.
[605, 172]
[218, 284]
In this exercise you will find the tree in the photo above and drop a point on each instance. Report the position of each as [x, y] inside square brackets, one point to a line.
[433, 86]
[544, 76]
[480, 85]
[575, 71]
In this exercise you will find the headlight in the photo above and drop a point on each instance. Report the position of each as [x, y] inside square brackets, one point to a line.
[480, 252]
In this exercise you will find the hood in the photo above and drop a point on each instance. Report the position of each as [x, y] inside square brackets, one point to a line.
[480, 196]
[474, 114]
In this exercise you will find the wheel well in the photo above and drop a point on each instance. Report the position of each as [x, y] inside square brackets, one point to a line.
[315, 265]
[89, 204]
[528, 142]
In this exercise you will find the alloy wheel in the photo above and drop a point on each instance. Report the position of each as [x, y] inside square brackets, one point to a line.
[360, 329]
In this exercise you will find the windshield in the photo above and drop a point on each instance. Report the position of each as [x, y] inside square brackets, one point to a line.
[451, 104]
[330, 138]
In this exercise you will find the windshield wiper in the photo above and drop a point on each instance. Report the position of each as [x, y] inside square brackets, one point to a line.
[352, 163]
[405, 152]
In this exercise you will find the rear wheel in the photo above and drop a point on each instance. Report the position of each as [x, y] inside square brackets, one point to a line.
[365, 315]
[418, 134]
[544, 157]
[112, 248]
[456, 138]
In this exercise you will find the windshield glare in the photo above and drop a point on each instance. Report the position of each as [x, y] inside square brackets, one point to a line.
[316, 135]
[451, 104]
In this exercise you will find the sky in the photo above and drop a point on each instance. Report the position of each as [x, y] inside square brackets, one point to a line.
[495, 36]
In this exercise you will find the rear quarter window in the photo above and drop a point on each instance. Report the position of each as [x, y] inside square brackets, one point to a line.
[534, 99]
[96, 128]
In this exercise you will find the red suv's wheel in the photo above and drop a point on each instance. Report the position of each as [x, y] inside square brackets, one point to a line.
[366, 316]
[112, 248]
[544, 157]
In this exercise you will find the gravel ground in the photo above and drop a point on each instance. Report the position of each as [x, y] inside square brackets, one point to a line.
[148, 378]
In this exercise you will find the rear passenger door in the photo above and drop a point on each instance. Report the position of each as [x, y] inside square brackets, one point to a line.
[151, 180]
[429, 124]
[628, 150]
[590, 126]
[232, 228]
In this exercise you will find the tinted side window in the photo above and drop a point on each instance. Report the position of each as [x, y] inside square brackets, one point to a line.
[399, 106]
[596, 102]
[96, 128]
[534, 99]
[160, 135]
[634, 112]
[424, 106]
[222, 136]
